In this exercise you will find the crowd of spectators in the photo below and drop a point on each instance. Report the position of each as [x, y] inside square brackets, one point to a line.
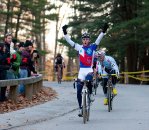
[17, 60]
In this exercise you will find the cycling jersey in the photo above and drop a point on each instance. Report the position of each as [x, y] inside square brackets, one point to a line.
[86, 53]
[108, 64]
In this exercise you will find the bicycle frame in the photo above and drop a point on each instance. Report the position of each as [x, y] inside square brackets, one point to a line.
[85, 101]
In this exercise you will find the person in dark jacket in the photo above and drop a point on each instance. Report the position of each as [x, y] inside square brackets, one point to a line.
[23, 72]
[8, 41]
[31, 67]
[4, 66]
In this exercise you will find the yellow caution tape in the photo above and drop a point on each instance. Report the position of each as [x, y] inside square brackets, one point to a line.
[138, 72]
[137, 78]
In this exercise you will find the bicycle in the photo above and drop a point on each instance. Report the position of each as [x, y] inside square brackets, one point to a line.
[95, 84]
[59, 74]
[86, 101]
[110, 94]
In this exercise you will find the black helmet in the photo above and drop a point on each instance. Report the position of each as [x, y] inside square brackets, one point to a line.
[85, 35]
[58, 55]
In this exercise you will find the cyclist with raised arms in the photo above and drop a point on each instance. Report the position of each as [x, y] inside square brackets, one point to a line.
[107, 65]
[86, 53]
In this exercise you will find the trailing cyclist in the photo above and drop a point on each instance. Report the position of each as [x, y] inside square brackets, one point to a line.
[59, 60]
[107, 65]
[86, 53]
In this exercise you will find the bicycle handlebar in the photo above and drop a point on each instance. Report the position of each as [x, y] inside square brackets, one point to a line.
[100, 75]
[108, 74]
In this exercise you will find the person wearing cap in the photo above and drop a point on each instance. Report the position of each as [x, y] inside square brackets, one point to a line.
[23, 71]
[28, 48]
[86, 52]
[34, 56]
[107, 65]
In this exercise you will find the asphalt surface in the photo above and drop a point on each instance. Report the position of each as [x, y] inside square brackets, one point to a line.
[130, 111]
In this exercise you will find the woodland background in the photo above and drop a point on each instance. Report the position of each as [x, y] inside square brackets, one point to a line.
[127, 39]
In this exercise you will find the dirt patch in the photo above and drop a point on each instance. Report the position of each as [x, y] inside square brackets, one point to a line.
[45, 94]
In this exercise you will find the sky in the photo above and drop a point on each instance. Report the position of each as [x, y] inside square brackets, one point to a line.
[50, 37]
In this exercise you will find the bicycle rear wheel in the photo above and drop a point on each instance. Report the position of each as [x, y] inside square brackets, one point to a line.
[84, 108]
[59, 75]
[60, 79]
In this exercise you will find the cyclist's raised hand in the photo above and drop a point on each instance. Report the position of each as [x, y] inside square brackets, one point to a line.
[65, 29]
[105, 27]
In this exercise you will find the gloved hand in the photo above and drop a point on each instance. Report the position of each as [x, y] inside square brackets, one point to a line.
[117, 74]
[8, 60]
[14, 57]
[65, 29]
[105, 27]
[24, 60]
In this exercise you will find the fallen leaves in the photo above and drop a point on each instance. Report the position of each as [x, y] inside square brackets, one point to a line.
[45, 94]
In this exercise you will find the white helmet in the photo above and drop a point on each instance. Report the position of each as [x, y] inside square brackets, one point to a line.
[100, 53]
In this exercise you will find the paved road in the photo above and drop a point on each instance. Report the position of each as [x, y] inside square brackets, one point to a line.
[130, 111]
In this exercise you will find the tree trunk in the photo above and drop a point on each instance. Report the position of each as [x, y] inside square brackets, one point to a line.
[44, 45]
[122, 67]
[69, 67]
[55, 49]
[132, 60]
[8, 16]
[18, 21]
[143, 62]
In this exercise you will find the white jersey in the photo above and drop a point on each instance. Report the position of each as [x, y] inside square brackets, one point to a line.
[108, 63]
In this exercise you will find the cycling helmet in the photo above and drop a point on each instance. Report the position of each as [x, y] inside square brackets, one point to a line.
[100, 53]
[85, 35]
[58, 55]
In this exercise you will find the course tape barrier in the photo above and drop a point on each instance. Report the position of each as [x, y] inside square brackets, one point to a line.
[137, 78]
[122, 75]
[138, 72]
[141, 78]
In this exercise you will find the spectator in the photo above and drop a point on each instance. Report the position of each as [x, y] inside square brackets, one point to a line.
[15, 59]
[28, 47]
[8, 41]
[4, 66]
[23, 73]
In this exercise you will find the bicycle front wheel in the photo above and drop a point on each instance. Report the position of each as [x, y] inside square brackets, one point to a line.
[96, 85]
[84, 108]
[88, 106]
[109, 99]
